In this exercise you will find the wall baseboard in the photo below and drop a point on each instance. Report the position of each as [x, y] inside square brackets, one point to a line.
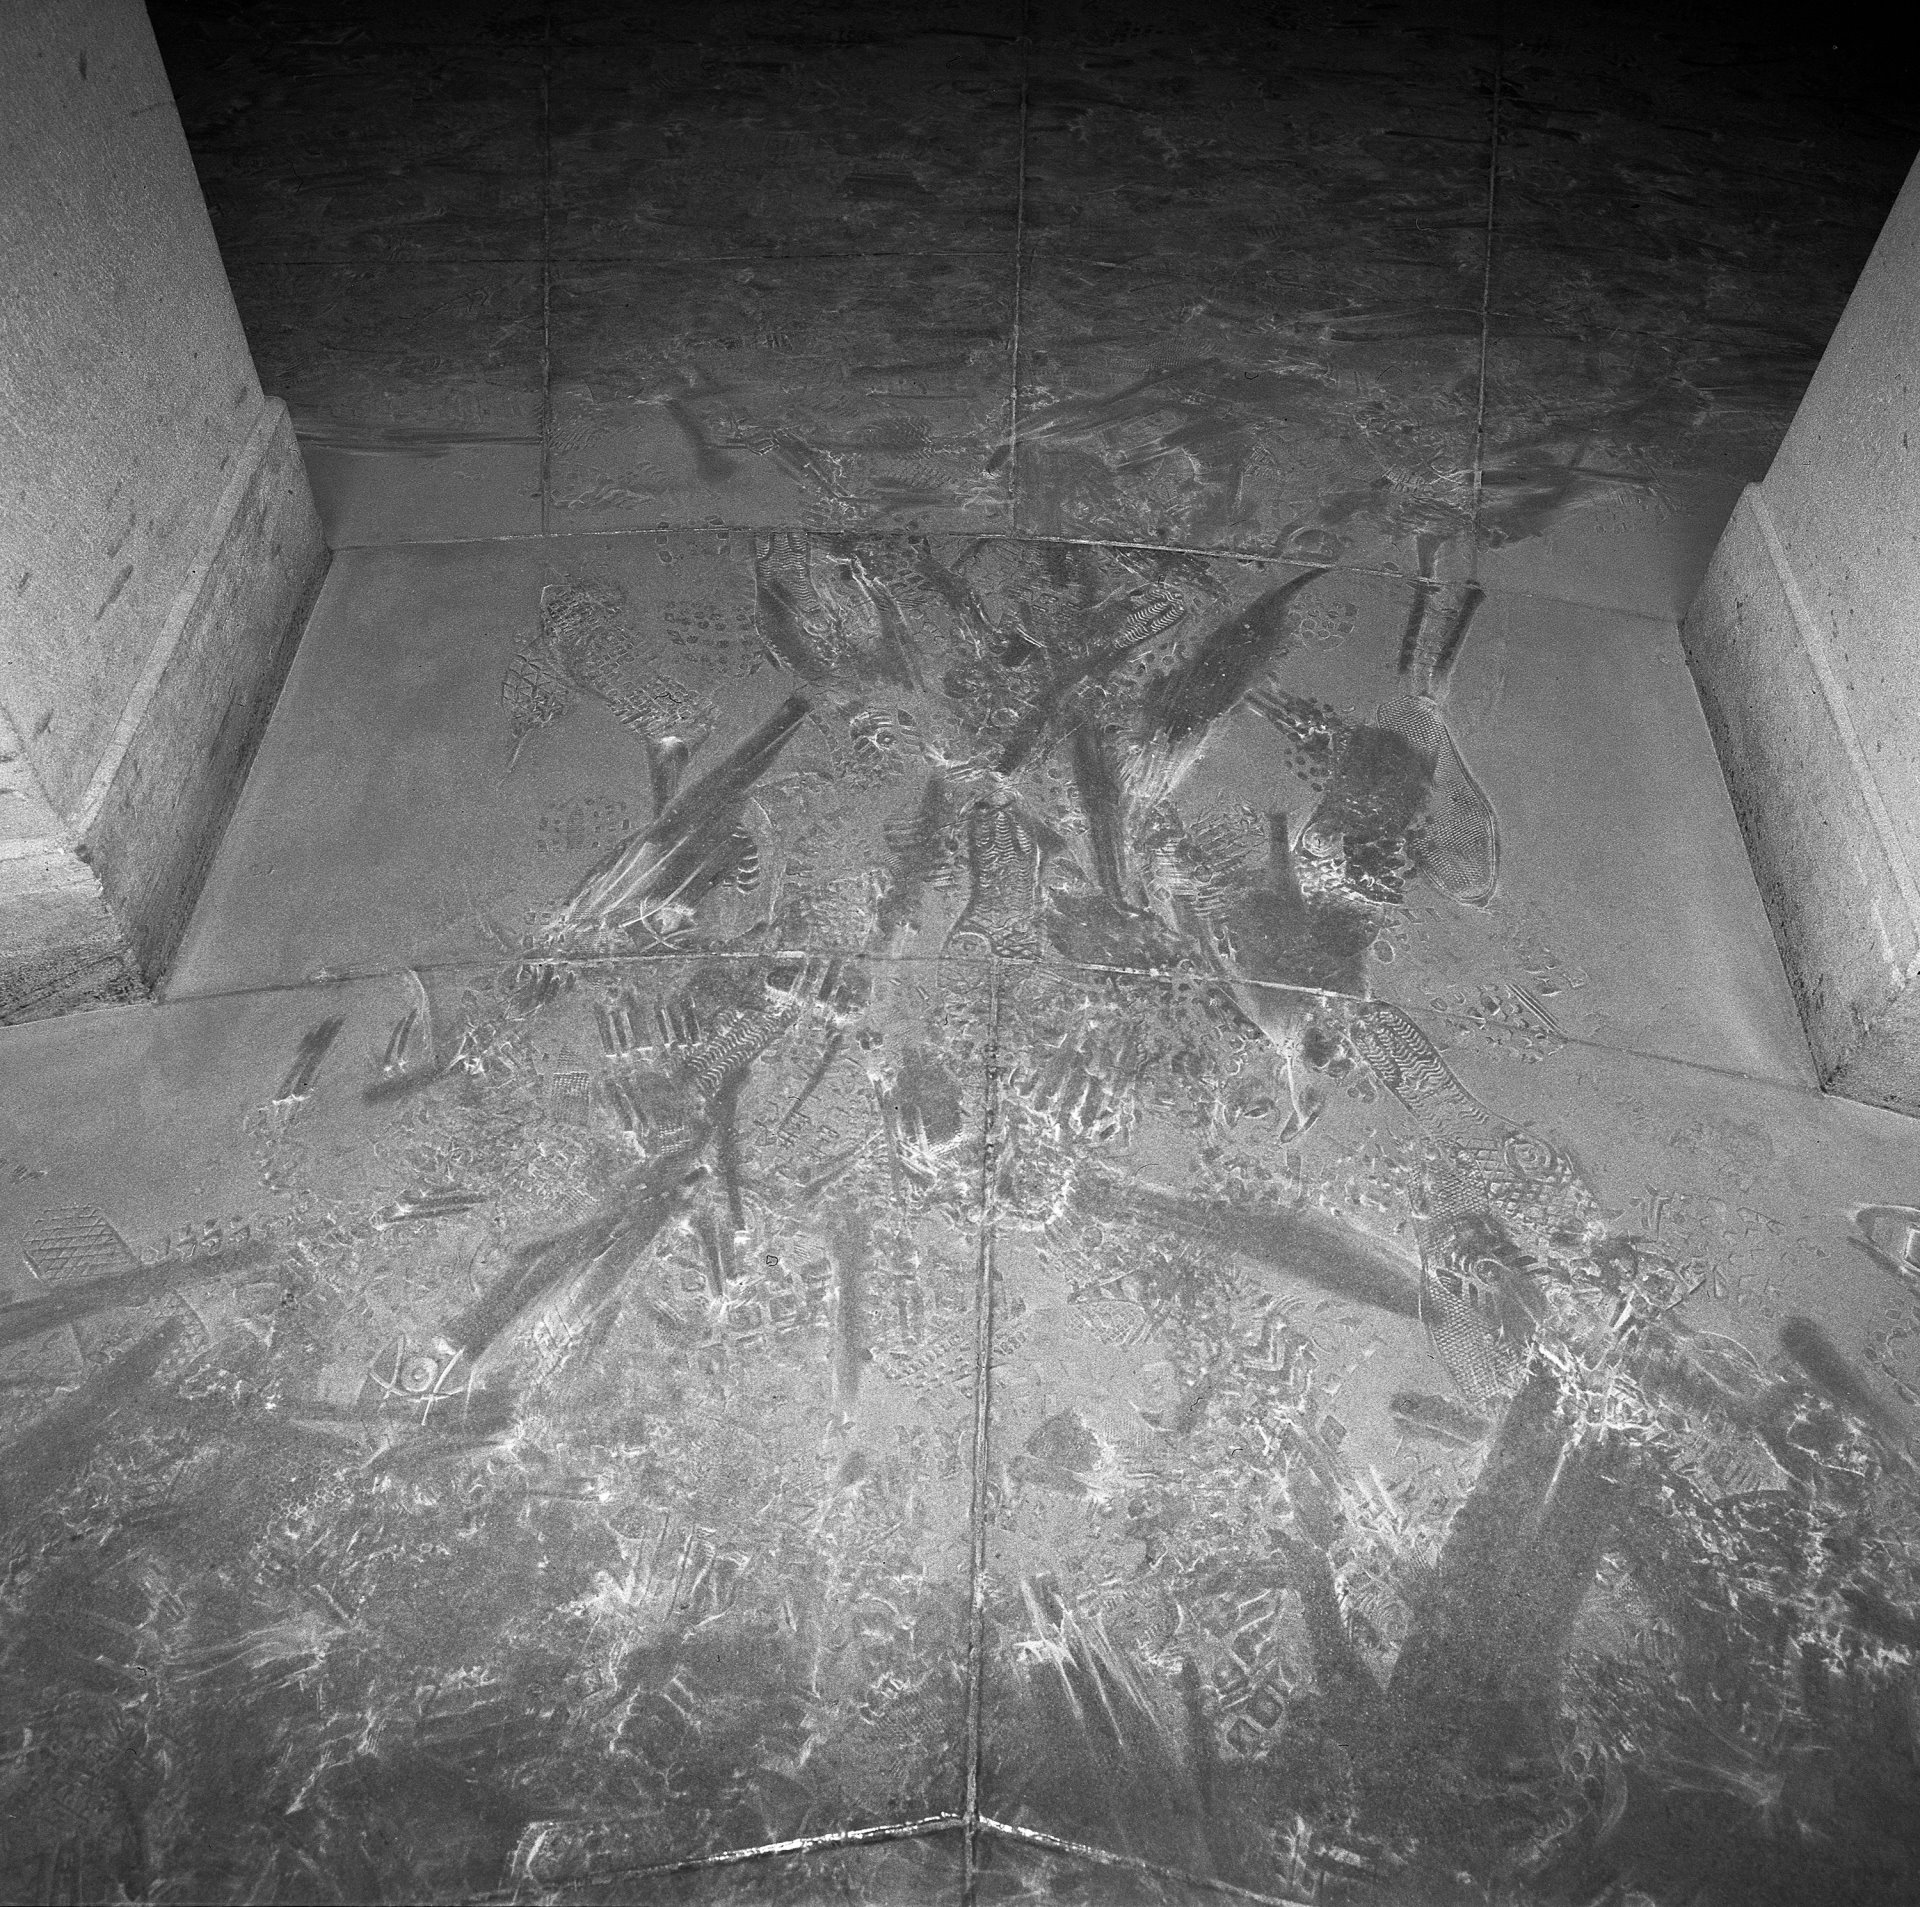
[92, 910]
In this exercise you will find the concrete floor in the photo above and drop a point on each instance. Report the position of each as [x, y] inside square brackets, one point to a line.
[983, 1084]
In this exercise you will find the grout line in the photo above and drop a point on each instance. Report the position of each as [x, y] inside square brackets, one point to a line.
[982, 1409]
[1019, 281]
[992, 968]
[1222, 552]
[546, 266]
[1486, 283]
[925, 1828]
[239, 256]
[1133, 1864]
[1226, 552]
[374, 44]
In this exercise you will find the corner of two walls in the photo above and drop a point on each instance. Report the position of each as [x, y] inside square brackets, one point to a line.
[159, 546]
[1805, 642]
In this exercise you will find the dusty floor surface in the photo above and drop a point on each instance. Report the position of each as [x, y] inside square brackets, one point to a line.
[983, 1087]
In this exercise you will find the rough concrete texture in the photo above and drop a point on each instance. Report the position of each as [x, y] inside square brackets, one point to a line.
[157, 535]
[58, 939]
[160, 800]
[126, 387]
[1828, 859]
[1844, 491]
[1804, 639]
[63, 948]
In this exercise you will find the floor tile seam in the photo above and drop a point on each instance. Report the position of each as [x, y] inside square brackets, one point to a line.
[924, 1827]
[1643, 1055]
[974, 968]
[426, 49]
[510, 49]
[974, 532]
[971, 967]
[1269, 160]
[971, 531]
[1444, 34]
[1158, 265]
[1649, 484]
[1271, 37]
[761, 255]
[1519, 325]
[982, 1430]
[1873, 149]
[1857, 131]
[1666, 621]
[1525, 239]
[1132, 1863]
[1648, 1057]
[1336, 91]
[803, 43]
[1381, 572]
[269, 140]
[240, 255]
[1725, 163]
[1301, 233]
[1221, 552]
[1168, 978]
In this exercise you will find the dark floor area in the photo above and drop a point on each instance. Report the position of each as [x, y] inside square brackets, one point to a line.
[983, 1100]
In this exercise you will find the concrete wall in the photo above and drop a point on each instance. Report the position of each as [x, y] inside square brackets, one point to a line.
[158, 543]
[1805, 641]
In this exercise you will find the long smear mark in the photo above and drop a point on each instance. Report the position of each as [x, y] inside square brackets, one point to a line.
[890, 1126]
[850, 1248]
[312, 1055]
[916, 856]
[29, 1318]
[624, 1228]
[1229, 660]
[1834, 1376]
[1455, 641]
[1026, 737]
[726, 1113]
[653, 868]
[898, 662]
[1300, 1243]
[782, 628]
[712, 464]
[1416, 626]
[1099, 790]
[42, 1461]
[836, 1043]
